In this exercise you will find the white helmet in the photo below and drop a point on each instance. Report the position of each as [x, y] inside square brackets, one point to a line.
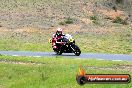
[59, 31]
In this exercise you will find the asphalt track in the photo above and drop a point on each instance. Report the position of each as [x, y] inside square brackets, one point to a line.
[100, 56]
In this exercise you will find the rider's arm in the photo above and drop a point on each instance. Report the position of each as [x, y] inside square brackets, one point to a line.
[53, 35]
[63, 34]
[60, 40]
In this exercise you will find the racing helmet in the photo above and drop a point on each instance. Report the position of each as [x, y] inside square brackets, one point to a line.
[59, 31]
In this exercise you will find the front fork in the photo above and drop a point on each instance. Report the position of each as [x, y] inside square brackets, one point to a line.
[72, 48]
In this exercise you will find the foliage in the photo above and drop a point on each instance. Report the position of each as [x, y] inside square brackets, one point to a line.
[94, 19]
[69, 21]
[119, 1]
[66, 21]
[119, 20]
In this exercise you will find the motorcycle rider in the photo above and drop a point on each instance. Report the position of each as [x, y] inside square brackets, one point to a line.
[56, 36]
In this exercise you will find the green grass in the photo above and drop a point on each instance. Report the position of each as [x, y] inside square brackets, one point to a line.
[118, 41]
[115, 42]
[56, 72]
[25, 41]
[105, 43]
[21, 46]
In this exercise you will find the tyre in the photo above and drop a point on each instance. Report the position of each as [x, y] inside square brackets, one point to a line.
[58, 52]
[77, 51]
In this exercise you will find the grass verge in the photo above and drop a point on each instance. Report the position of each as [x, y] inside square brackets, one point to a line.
[118, 42]
[55, 72]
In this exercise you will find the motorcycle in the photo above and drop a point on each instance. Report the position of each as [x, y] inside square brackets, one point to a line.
[68, 46]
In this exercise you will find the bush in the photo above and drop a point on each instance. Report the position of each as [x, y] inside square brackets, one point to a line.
[94, 19]
[66, 21]
[95, 22]
[62, 23]
[119, 20]
[119, 1]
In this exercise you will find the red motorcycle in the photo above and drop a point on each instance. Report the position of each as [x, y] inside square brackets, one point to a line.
[66, 45]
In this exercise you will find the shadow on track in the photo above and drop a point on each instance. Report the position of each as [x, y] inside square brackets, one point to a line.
[66, 54]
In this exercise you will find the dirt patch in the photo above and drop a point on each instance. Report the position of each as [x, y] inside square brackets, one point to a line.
[2, 30]
[112, 14]
[28, 30]
[86, 21]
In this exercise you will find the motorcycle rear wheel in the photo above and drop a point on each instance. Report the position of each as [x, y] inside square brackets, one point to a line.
[58, 52]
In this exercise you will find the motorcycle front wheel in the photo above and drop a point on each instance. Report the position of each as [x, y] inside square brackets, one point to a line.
[76, 50]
